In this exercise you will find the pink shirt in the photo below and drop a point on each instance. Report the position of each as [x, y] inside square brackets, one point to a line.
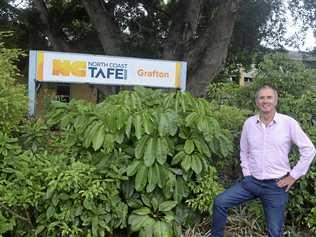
[264, 149]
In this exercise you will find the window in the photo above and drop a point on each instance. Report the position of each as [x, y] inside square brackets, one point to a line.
[63, 93]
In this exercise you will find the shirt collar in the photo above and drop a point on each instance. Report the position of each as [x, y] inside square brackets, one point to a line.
[275, 119]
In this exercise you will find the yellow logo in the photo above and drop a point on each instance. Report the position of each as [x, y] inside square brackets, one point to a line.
[68, 68]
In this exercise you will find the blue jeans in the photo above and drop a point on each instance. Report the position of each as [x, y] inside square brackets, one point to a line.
[273, 199]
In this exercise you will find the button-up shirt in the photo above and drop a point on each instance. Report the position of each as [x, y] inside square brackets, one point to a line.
[264, 149]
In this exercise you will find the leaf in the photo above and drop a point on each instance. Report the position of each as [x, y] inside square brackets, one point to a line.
[148, 127]
[152, 179]
[128, 128]
[138, 126]
[202, 124]
[169, 217]
[39, 229]
[147, 231]
[178, 158]
[149, 155]
[163, 125]
[146, 200]
[137, 222]
[95, 223]
[140, 147]
[155, 204]
[134, 203]
[142, 211]
[88, 204]
[162, 229]
[164, 174]
[141, 178]
[191, 119]
[50, 191]
[161, 150]
[132, 168]
[202, 146]
[179, 190]
[186, 163]
[50, 212]
[159, 180]
[172, 123]
[196, 164]
[97, 141]
[108, 143]
[189, 146]
[90, 132]
[167, 206]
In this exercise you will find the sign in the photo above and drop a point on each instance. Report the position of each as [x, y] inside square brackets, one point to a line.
[108, 70]
[57, 67]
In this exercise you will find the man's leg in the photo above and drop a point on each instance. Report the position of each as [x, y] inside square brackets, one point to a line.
[274, 201]
[231, 197]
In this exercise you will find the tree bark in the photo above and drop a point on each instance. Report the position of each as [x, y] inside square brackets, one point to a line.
[108, 31]
[183, 29]
[55, 37]
[206, 52]
[207, 57]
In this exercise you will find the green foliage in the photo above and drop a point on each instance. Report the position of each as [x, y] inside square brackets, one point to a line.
[285, 75]
[46, 195]
[206, 188]
[8, 146]
[302, 204]
[247, 220]
[166, 140]
[34, 135]
[13, 102]
[225, 93]
[231, 118]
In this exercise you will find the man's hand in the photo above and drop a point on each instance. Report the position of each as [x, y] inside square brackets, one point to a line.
[287, 182]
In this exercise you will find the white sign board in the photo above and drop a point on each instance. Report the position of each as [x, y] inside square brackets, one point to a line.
[107, 70]
[46, 66]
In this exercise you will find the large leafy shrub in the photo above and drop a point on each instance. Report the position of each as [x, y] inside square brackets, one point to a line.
[166, 141]
[133, 160]
[53, 195]
[287, 76]
[13, 102]
[302, 206]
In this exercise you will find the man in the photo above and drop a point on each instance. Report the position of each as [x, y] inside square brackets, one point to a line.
[264, 146]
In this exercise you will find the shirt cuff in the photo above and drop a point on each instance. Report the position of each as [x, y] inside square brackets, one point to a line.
[294, 175]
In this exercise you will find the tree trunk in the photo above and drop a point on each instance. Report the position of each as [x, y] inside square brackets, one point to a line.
[206, 52]
[108, 31]
[208, 56]
[55, 37]
[183, 29]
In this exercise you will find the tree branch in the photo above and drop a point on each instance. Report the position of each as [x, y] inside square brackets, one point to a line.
[57, 39]
[207, 57]
[183, 28]
[108, 31]
[15, 214]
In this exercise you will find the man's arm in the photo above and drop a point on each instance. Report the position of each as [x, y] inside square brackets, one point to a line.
[244, 151]
[306, 149]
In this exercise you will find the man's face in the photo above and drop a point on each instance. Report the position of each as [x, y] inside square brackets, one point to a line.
[266, 100]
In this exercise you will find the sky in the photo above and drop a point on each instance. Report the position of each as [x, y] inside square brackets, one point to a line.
[309, 43]
[293, 27]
